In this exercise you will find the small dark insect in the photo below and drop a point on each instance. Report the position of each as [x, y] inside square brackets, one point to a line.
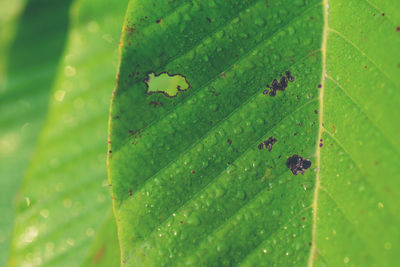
[297, 164]
[130, 192]
[261, 146]
[229, 141]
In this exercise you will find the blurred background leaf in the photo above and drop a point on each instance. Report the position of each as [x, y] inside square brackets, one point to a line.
[64, 197]
[31, 49]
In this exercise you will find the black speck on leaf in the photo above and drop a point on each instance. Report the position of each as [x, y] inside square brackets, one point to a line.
[297, 164]
[268, 143]
[281, 84]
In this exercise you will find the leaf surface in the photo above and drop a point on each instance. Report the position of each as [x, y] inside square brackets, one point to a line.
[189, 182]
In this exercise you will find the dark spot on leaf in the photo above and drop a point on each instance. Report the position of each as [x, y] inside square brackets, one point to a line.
[319, 85]
[158, 21]
[316, 111]
[130, 29]
[155, 103]
[229, 141]
[383, 14]
[136, 135]
[110, 151]
[268, 143]
[297, 164]
[281, 85]
[208, 19]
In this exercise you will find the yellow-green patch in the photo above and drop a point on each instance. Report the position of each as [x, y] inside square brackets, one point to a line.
[169, 85]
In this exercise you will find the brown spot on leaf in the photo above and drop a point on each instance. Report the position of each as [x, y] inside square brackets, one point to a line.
[99, 255]
[155, 103]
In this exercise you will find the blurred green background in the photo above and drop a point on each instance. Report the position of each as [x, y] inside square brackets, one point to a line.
[58, 61]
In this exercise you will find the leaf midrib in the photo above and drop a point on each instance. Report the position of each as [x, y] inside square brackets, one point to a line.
[320, 129]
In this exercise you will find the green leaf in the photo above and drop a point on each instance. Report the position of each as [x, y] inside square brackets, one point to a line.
[189, 182]
[27, 71]
[64, 197]
[105, 249]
